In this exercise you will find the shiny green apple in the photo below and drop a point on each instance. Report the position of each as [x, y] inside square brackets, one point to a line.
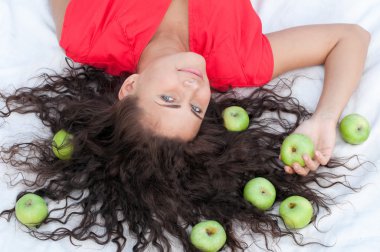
[294, 147]
[235, 118]
[31, 210]
[296, 212]
[260, 192]
[354, 129]
[62, 145]
[208, 236]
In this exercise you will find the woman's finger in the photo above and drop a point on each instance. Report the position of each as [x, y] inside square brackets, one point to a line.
[303, 171]
[289, 170]
[322, 159]
[310, 163]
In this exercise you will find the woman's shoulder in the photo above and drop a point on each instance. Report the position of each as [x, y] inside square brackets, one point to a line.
[110, 34]
[229, 35]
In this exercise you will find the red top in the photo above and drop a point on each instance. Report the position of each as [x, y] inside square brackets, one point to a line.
[111, 34]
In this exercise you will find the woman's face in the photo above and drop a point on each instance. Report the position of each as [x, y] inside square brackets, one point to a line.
[174, 92]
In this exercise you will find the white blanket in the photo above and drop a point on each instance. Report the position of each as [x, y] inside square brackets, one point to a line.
[28, 45]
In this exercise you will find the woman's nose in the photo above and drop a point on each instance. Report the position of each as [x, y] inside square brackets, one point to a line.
[191, 83]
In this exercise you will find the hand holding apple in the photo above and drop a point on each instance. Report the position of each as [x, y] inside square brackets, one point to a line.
[62, 146]
[235, 118]
[296, 212]
[354, 129]
[294, 147]
[208, 236]
[260, 192]
[31, 210]
[322, 131]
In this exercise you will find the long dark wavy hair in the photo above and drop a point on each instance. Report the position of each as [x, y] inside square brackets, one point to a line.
[123, 177]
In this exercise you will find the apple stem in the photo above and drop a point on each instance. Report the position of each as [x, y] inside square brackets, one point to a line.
[292, 205]
[210, 231]
[294, 149]
[29, 203]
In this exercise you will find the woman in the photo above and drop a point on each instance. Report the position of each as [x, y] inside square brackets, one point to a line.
[159, 158]
[165, 62]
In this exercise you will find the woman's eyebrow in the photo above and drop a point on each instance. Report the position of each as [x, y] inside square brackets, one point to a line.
[169, 105]
[176, 106]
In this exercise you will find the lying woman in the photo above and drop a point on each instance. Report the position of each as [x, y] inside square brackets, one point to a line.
[150, 149]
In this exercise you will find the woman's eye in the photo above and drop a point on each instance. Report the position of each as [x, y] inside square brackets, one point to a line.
[167, 98]
[196, 109]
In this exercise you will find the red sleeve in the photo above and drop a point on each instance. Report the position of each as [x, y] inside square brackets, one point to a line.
[254, 48]
[228, 34]
[92, 35]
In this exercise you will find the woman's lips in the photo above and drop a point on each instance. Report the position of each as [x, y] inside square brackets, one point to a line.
[193, 71]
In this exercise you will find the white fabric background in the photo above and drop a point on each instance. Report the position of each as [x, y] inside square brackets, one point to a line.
[28, 46]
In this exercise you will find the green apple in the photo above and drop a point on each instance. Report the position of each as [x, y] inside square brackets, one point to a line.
[354, 129]
[31, 210]
[294, 147]
[208, 236]
[235, 118]
[296, 212]
[260, 192]
[62, 146]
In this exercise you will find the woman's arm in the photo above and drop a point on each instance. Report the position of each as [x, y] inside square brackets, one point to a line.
[58, 9]
[342, 48]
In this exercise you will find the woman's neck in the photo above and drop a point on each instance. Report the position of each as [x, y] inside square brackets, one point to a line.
[161, 45]
[172, 35]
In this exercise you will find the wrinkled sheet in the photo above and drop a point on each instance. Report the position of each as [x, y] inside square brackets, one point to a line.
[28, 46]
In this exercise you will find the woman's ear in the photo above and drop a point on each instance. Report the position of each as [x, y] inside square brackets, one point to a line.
[129, 86]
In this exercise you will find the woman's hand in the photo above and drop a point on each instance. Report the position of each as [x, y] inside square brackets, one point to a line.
[342, 48]
[322, 132]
